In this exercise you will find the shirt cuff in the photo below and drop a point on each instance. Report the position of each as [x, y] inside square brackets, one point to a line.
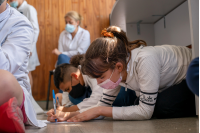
[79, 106]
[117, 113]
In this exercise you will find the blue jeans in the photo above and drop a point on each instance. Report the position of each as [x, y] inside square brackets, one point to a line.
[62, 58]
[192, 77]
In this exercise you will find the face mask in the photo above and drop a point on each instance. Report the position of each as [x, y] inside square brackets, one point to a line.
[1, 1]
[77, 91]
[108, 84]
[87, 94]
[70, 28]
[14, 4]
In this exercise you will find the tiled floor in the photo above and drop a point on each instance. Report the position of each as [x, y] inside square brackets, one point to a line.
[178, 125]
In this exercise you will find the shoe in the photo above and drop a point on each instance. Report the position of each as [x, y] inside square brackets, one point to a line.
[11, 117]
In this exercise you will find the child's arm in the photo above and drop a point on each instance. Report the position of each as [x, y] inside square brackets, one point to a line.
[68, 109]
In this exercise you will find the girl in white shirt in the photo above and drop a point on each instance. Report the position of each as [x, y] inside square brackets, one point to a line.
[157, 74]
[74, 39]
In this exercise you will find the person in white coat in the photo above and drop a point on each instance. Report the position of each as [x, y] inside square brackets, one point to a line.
[73, 40]
[30, 12]
[156, 73]
[16, 37]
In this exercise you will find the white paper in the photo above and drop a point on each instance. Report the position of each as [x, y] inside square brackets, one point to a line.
[48, 122]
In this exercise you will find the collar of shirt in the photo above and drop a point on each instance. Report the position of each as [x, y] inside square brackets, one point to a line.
[131, 64]
[22, 6]
[69, 34]
[5, 14]
[84, 77]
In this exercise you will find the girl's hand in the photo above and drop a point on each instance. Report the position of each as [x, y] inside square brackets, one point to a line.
[87, 115]
[56, 51]
[60, 116]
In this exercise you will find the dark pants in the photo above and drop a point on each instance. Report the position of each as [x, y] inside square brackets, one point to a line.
[192, 77]
[176, 101]
[124, 98]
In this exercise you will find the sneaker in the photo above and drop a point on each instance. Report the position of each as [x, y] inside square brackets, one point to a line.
[11, 117]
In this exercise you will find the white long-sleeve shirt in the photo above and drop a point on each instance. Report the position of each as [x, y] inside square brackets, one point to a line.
[16, 37]
[78, 45]
[31, 13]
[96, 95]
[150, 70]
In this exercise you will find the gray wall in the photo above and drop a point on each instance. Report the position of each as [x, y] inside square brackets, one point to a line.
[194, 25]
[177, 31]
[146, 33]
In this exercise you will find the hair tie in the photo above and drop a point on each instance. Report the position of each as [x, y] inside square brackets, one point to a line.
[107, 34]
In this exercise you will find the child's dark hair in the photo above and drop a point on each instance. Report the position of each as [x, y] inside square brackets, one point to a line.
[105, 52]
[63, 72]
[76, 60]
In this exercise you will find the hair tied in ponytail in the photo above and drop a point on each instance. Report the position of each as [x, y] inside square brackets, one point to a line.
[107, 34]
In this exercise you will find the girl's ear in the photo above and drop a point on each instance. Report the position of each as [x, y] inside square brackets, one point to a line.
[119, 66]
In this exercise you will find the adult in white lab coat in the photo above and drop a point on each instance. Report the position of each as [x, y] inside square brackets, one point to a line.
[16, 37]
[73, 40]
[30, 12]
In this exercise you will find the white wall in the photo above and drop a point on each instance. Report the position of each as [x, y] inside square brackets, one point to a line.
[177, 31]
[194, 25]
[193, 6]
[146, 33]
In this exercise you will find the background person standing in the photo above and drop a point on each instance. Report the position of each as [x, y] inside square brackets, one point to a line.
[30, 12]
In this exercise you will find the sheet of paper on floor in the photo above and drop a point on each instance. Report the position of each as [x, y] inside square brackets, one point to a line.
[48, 122]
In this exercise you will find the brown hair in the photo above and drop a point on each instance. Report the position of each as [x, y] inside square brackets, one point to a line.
[105, 52]
[76, 60]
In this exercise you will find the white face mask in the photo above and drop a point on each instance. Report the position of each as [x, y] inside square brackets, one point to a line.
[70, 28]
[108, 84]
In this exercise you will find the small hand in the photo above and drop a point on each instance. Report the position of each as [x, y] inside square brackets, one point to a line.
[60, 116]
[56, 51]
[87, 115]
